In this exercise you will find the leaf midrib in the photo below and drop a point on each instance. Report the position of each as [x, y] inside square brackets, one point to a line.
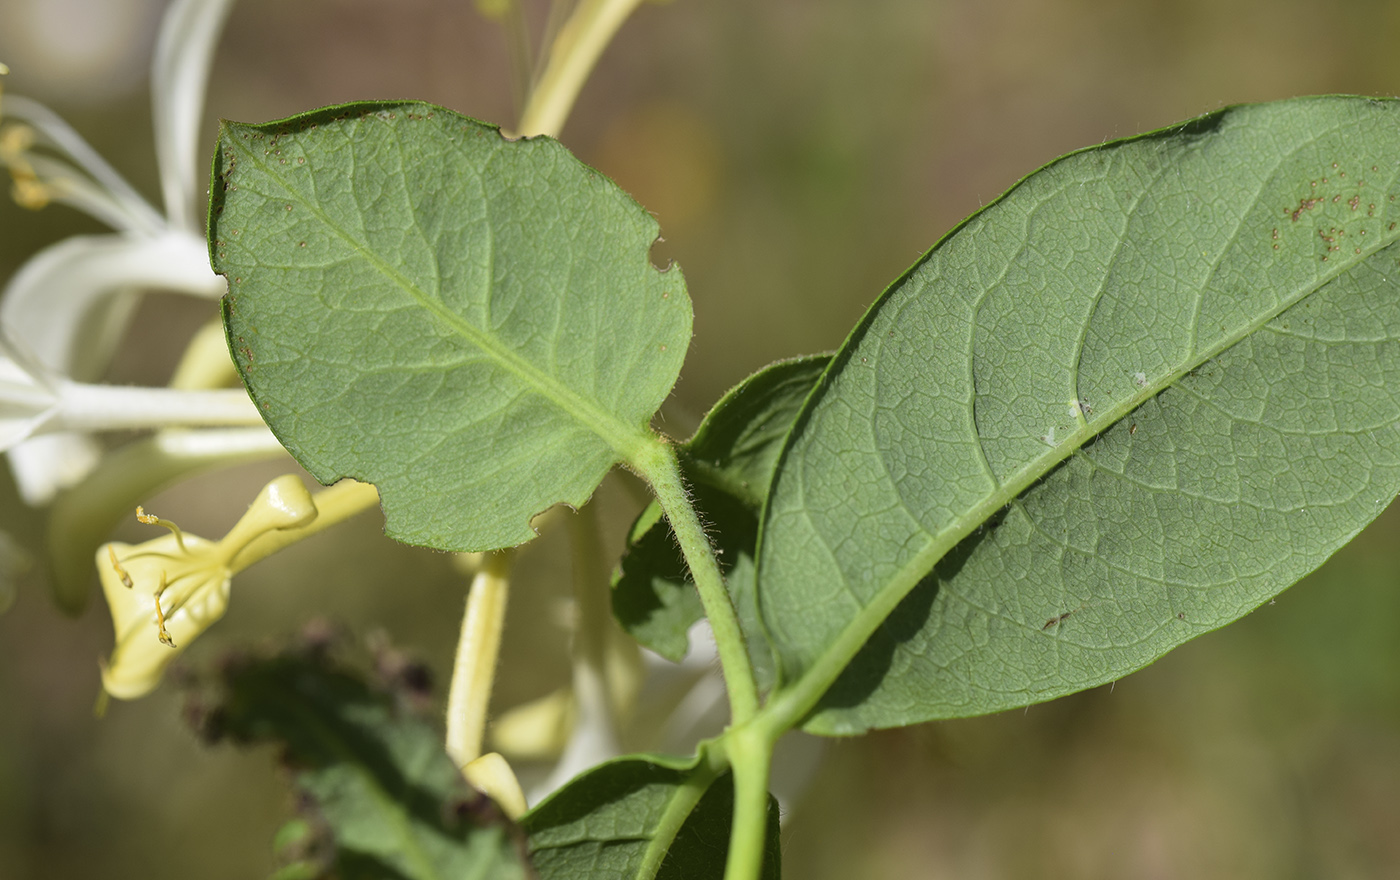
[791, 704]
[623, 438]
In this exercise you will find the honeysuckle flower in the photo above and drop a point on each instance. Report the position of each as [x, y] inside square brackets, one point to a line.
[162, 594]
[33, 401]
[72, 302]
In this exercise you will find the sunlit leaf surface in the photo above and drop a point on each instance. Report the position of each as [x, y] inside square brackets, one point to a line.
[470, 323]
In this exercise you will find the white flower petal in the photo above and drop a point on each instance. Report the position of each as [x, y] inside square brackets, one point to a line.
[69, 306]
[27, 399]
[83, 407]
[67, 303]
[47, 464]
[65, 184]
[179, 77]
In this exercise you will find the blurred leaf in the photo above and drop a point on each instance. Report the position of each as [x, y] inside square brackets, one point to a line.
[394, 804]
[470, 323]
[605, 822]
[1147, 389]
[728, 464]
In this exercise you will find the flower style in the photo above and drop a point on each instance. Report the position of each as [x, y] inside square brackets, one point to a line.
[71, 303]
[165, 592]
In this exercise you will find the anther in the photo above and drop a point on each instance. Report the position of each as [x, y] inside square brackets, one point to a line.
[162, 632]
[151, 519]
[117, 567]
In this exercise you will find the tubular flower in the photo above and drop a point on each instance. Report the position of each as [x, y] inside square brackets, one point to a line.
[71, 303]
[165, 592]
[34, 402]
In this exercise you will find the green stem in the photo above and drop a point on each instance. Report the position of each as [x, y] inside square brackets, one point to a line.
[581, 41]
[658, 465]
[678, 809]
[474, 669]
[750, 753]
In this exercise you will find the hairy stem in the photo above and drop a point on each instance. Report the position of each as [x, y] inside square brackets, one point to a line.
[581, 41]
[475, 667]
[662, 471]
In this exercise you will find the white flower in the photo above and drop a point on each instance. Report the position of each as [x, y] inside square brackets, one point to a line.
[33, 401]
[71, 303]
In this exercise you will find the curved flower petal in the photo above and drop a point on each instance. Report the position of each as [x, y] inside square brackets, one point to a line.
[49, 303]
[44, 466]
[82, 519]
[70, 305]
[27, 399]
[179, 77]
[147, 639]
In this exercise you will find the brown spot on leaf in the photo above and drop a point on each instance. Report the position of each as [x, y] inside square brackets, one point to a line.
[1304, 205]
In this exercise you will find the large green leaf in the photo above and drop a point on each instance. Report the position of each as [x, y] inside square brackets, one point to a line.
[639, 818]
[728, 465]
[393, 802]
[468, 322]
[1151, 386]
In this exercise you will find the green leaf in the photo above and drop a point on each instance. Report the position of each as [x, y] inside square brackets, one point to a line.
[728, 465]
[641, 818]
[393, 801]
[468, 322]
[1220, 298]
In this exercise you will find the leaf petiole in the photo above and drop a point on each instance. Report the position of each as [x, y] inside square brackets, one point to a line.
[657, 464]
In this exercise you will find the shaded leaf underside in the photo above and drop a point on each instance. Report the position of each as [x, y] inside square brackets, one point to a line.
[610, 820]
[728, 464]
[1149, 388]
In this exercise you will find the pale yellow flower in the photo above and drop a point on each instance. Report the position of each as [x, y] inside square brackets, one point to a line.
[165, 592]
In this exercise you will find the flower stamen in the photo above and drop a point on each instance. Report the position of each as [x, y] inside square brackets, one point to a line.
[117, 567]
[151, 519]
[162, 633]
[28, 191]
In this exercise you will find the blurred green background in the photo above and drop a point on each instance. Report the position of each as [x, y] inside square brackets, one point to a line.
[800, 154]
